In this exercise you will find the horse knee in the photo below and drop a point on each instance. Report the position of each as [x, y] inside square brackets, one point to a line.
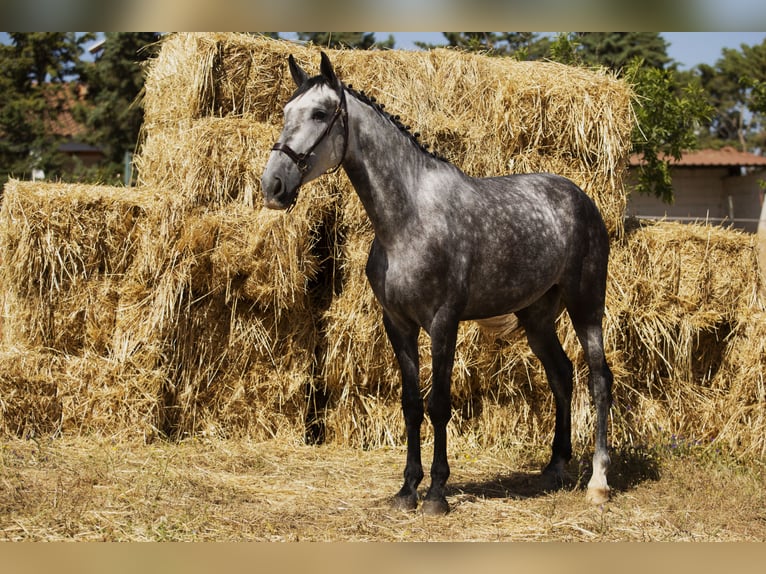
[439, 411]
[413, 411]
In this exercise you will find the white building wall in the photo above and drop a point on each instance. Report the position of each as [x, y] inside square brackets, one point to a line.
[705, 194]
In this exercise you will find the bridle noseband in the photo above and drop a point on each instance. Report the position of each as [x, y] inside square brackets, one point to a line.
[300, 159]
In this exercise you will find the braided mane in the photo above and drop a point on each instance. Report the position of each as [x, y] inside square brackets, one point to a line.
[394, 119]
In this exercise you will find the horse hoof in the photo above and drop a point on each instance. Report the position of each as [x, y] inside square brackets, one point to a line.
[438, 507]
[404, 502]
[597, 495]
[551, 482]
[553, 479]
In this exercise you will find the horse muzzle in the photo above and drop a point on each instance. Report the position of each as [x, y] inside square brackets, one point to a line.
[277, 194]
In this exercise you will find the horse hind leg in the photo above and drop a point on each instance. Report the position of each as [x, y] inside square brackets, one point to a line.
[588, 326]
[539, 322]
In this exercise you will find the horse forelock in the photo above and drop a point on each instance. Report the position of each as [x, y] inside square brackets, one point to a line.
[309, 85]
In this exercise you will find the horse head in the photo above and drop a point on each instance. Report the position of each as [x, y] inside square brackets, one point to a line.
[314, 137]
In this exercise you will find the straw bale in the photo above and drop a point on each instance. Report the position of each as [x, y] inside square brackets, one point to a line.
[62, 248]
[677, 292]
[490, 116]
[221, 301]
[29, 406]
[231, 371]
[46, 393]
[102, 396]
[208, 162]
[683, 302]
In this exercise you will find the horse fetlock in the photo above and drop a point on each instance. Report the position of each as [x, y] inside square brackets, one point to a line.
[598, 489]
[554, 475]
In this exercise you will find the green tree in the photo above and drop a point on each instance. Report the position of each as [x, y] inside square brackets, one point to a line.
[617, 50]
[34, 69]
[359, 40]
[564, 50]
[733, 85]
[669, 115]
[757, 95]
[114, 81]
[521, 45]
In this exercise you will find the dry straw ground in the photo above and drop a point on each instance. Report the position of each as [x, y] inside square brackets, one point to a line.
[238, 490]
[182, 309]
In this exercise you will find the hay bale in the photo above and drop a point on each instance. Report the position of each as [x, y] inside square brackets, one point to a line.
[209, 162]
[119, 281]
[46, 393]
[489, 116]
[62, 248]
[198, 302]
[683, 302]
[29, 406]
[678, 291]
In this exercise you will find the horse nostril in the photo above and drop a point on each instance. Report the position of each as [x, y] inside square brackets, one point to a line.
[274, 188]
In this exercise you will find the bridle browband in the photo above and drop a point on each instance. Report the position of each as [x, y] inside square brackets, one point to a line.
[300, 158]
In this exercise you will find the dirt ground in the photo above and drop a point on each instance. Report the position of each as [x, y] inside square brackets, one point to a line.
[218, 490]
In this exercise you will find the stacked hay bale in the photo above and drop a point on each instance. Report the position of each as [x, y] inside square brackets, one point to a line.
[222, 295]
[241, 320]
[210, 97]
[64, 250]
[686, 319]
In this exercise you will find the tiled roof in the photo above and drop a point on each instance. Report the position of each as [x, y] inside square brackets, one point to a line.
[61, 99]
[724, 157]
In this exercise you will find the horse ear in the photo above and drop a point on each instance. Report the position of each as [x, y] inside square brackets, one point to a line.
[328, 72]
[299, 76]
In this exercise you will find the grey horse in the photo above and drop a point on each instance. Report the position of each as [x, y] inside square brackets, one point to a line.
[450, 248]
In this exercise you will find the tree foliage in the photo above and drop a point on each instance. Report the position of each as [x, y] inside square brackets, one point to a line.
[358, 40]
[112, 113]
[520, 45]
[617, 50]
[34, 70]
[669, 115]
[735, 87]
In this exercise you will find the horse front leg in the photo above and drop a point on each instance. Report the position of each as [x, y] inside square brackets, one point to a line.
[405, 344]
[443, 341]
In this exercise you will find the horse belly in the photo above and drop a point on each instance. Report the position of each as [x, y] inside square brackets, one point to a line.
[502, 285]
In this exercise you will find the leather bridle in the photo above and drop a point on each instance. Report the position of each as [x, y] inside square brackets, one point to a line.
[300, 159]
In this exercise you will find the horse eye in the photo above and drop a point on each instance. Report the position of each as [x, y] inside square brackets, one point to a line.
[319, 115]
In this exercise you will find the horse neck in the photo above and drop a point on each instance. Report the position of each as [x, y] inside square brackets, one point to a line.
[384, 166]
